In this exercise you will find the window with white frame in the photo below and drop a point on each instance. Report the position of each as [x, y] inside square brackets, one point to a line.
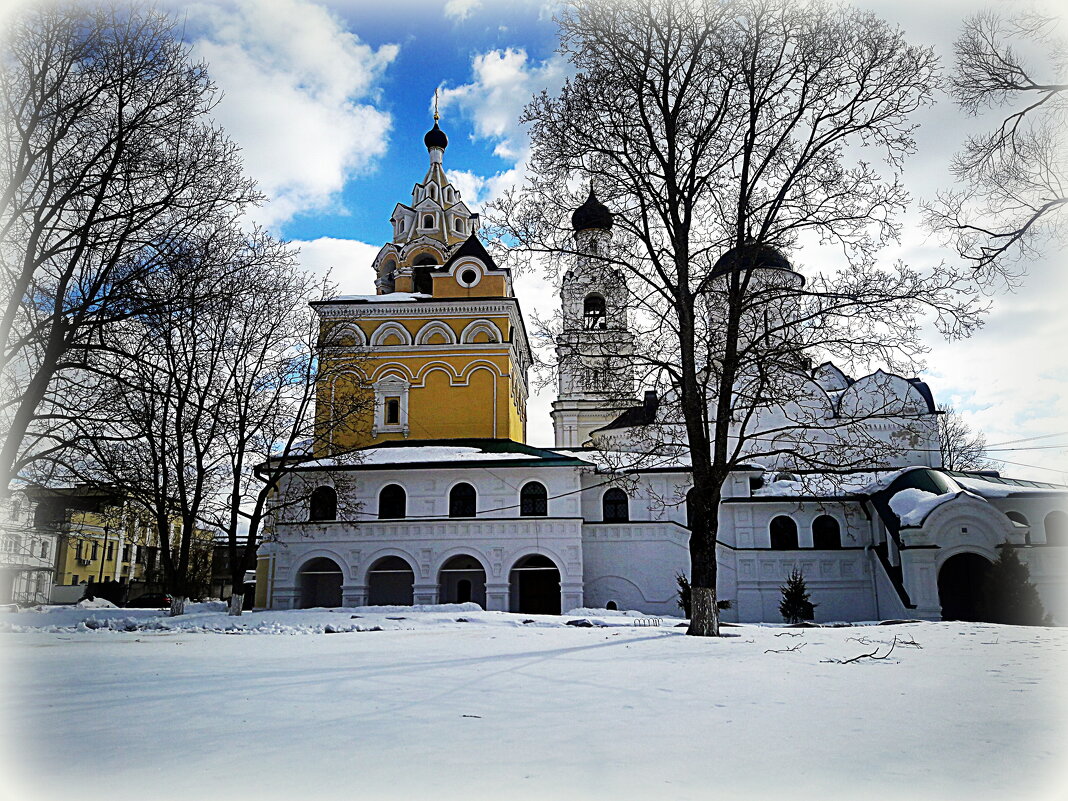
[391, 405]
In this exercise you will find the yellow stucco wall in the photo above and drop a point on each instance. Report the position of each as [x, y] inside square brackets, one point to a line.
[456, 389]
[77, 561]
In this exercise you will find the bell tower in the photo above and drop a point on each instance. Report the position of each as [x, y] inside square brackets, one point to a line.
[595, 345]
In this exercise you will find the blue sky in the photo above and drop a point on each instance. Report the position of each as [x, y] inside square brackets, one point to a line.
[330, 99]
[434, 50]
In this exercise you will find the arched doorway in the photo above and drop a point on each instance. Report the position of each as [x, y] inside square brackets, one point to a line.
[389, 582]
[960, 587]
[462, 579]
[320, 582]
[535, 586]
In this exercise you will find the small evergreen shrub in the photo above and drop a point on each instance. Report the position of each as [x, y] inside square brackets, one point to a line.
[795, 606]
[1009, 596]
[683, 593]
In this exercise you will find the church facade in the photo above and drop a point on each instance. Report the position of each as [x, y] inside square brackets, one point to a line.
[445, 503]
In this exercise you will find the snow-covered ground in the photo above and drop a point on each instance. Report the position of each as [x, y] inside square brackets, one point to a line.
[450, 702]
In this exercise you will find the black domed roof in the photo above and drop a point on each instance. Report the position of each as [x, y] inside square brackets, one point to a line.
[751, 254]
[591, 214]
[436, 137]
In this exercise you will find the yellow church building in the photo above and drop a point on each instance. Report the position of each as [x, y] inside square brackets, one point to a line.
[441, 349]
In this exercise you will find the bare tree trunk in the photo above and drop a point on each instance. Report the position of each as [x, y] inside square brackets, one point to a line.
[178, 605]
[704, 612]
[237, 601]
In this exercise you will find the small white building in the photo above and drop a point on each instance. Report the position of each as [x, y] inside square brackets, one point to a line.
[27, 553]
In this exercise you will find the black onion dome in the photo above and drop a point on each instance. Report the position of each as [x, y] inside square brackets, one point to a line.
[436, 137]
[591, 214]
[751, 255]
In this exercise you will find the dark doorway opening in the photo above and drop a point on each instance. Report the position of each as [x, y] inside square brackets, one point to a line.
[463, 591]
[320, 583]
[960, 587]
[535, 586]
[389, 582]
[462, 579]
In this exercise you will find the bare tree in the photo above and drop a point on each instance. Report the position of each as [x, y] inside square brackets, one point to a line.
[1014, 179]
[270, 402]
[959, 446]
[107, 154]
[720, 133]
[165, 375]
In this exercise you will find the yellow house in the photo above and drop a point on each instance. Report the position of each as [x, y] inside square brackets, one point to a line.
[102, 537]
[440, 352]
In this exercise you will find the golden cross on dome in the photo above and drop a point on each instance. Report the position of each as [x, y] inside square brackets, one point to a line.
[435, 105]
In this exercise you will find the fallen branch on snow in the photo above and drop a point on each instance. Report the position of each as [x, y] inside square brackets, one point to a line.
[797, 647]
[873, 655]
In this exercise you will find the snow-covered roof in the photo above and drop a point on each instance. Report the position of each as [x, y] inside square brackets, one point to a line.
[616, 461]
[436, 453]
[389, 297]
[440, 453]
[989, 486]
[912, 505]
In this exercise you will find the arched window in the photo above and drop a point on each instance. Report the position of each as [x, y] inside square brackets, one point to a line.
[611, 606]
[783, 533]
[428, 220]
[1018, 517]
[533, 500]
[593, 312]
[422, 277]
[826, 533]
[323, 504]
[462, 500]
[1056, 525]
[44, 549]
[614, 506]
[458, 224]
[433, 191]
[1020, 521]
[391, 502]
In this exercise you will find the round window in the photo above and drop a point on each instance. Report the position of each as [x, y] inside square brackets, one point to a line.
[468, 277]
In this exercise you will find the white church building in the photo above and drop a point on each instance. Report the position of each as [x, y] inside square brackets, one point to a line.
[444, 502]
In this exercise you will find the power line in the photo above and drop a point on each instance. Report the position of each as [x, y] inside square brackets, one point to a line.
[1029, 439]
[1035, 466]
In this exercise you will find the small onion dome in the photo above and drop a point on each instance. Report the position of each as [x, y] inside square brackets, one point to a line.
[751, 255]
[591, 214]
[436, 137]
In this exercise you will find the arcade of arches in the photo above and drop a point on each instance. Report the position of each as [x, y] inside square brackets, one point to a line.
[534, 583]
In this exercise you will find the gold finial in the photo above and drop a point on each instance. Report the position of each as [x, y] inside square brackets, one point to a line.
[435, 105]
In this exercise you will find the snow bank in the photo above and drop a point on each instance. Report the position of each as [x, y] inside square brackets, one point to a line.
[587, 611]
[913, 505]
[96, 603]
[470, 606]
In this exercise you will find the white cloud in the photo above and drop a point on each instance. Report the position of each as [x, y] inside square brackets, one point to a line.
[299, 98]
[477, 189]
[347, 261]
[504, 82]
[1010, 379]
[460, 10]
